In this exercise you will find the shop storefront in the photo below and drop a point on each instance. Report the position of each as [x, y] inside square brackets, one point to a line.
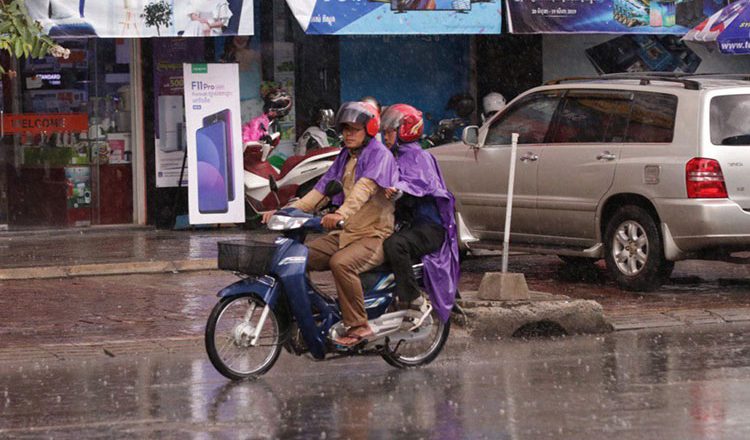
[78, 139]
[67, 146]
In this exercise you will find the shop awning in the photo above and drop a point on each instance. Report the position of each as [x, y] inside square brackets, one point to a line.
[135, 18]
[607, 16]
[360, 17]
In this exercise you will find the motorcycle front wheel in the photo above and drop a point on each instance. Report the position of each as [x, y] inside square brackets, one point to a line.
[230, 331]
[421, 352]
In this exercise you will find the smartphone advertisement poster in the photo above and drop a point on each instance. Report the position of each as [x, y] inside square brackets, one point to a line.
[212, 117]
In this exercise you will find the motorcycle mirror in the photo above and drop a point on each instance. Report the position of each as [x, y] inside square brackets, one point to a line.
[327, 118]
[272, 184]
[333, 187]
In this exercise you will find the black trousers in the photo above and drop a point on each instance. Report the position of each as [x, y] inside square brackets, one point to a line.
[408, 245]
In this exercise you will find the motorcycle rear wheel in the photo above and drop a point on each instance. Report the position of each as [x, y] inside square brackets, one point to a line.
[422, 352]
[229, 333]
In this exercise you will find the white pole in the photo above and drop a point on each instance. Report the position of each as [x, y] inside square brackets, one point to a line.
[509, 203]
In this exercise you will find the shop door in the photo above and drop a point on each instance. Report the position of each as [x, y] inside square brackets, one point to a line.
[67, 143]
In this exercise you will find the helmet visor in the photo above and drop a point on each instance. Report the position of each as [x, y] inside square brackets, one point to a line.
[351, 113]
[391, 120]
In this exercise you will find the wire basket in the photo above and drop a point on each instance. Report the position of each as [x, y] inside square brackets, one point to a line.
[245, 256]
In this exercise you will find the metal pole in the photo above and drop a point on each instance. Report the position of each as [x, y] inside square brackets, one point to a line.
[509, 203]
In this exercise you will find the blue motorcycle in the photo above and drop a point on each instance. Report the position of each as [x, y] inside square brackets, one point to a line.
[276, 305]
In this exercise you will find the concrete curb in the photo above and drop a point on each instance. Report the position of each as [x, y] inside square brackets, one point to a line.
[81, 270]
[543, 314]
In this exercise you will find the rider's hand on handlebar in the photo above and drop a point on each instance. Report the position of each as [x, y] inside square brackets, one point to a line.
[331, 221]
[267, 216]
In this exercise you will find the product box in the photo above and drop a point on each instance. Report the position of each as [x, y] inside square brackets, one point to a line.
[119, 147]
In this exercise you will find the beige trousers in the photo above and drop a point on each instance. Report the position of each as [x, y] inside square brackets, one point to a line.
[346, 264]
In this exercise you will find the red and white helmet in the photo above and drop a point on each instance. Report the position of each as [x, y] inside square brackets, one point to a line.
[405, 119]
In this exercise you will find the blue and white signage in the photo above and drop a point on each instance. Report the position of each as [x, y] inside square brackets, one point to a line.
[362, 17]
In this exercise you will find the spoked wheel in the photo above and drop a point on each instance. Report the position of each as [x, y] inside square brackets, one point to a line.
[635, 250]
[420, 352]
[230, 331]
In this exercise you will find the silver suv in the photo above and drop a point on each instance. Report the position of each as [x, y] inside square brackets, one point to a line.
[639, 170]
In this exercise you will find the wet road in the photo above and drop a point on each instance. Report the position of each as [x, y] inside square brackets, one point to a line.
[625, 385]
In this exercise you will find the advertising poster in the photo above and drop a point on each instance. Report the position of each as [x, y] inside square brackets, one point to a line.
[608, 16]
[212, 113]
[643, 53]
[143, 18]
[363, 17]
[169, 106]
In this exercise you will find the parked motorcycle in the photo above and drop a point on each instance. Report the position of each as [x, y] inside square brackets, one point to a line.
[444, 132]
[447, 130]
[277, 305]
[294, 178]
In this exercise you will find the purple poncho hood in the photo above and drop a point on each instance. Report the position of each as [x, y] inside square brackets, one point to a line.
[420, 176]
[375, 162]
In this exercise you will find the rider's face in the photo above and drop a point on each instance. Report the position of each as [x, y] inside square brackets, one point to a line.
[389, 137]
[354, 135]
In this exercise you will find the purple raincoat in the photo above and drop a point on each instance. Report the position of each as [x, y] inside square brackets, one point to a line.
[375, 162]
[420, 176]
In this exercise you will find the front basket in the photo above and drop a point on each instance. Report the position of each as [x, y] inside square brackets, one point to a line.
[246, 256]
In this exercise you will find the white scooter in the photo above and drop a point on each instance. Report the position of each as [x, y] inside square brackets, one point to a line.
[295, 178]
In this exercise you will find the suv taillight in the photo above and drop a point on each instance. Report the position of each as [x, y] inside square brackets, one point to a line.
[704, 179]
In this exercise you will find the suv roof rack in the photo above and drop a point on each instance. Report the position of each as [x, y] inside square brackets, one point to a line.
[738, 76]
[645, 79]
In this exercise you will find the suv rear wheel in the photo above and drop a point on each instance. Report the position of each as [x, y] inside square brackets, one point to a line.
[635, 251]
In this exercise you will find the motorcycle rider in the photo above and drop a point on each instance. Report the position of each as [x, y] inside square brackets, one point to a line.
[277, 103]
[365, 168]
[426, 227]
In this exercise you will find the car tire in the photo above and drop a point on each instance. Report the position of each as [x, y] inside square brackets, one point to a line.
[634, 250]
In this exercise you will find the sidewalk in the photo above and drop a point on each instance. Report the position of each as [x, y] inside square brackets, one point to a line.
[107, 251]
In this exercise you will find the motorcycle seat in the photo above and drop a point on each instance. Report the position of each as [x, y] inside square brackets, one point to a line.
[371, 277]
[289, 164]
[253, 164]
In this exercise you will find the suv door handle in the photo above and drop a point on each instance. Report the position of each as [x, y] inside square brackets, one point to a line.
[529, 157]
[606, 155]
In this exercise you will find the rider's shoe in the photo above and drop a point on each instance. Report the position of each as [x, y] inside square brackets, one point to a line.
[421, 305]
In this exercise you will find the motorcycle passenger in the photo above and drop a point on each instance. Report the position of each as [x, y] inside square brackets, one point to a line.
[426, 227]
[277, 103]
[365, 168]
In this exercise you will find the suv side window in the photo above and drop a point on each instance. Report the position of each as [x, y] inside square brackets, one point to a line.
[652, 118]
[592, 116]
[730, 120]
[530, 118]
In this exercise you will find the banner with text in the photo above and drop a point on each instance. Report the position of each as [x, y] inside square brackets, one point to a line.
[215, 175]
[143, 18]
[362, 17]
[607, 16]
